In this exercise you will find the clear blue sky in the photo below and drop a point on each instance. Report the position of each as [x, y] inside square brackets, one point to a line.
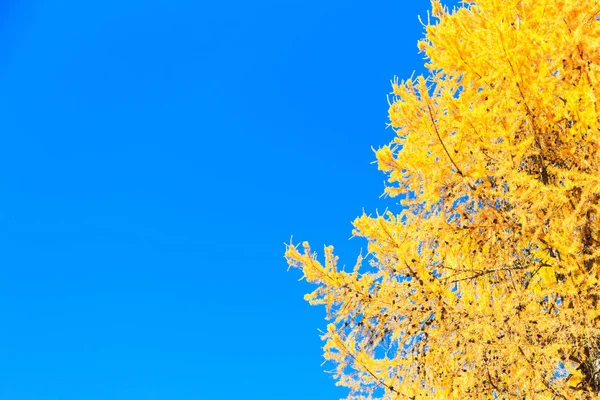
[155, 157]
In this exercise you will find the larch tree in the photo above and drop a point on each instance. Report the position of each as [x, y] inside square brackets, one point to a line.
[485, 283]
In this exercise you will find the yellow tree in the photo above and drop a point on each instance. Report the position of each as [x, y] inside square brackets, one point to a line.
[485, 283]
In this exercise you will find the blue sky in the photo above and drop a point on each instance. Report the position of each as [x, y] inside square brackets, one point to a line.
[155, 157]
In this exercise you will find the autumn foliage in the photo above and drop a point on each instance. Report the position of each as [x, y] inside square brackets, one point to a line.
[485, 283]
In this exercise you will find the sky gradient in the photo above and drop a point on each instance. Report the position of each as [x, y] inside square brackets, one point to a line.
[155, 157]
